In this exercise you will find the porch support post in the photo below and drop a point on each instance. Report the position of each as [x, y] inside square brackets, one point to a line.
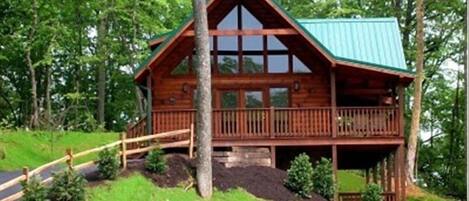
[389, 173]
[375, 174]
[400, 91]
[382, 176]
[367, 175]
[397, 186]
[273, 156]
[333, 103]
[149, 105]
[402, 171]
[334, 169]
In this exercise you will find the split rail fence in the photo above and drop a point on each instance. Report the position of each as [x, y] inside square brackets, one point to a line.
[187, 141]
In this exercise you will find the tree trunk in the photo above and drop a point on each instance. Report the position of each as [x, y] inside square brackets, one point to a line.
[34, 121]
[48, 114]
[101, 52]
[133, 53]
[204, 100]
[416, 108]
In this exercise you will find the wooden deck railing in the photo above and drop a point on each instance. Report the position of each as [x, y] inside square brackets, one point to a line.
[387, 196]
[287, 122]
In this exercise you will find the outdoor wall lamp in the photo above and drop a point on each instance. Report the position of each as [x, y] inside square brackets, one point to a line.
[185, 88]
[296, 85]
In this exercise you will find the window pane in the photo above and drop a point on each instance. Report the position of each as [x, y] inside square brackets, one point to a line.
[182, 68]
[249, 21]
[279, 97]
[230, 21]
[252, 43]
[274, 44]
[254, 99]
[299, 66]
[228, 64]
[253, 64]
[229, 99]
[278, 63]
[228, 43]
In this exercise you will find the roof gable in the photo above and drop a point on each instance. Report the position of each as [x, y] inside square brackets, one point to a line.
[311, 30]
[375, 41]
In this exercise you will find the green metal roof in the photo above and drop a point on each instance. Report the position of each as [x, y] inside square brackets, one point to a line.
[375, 41]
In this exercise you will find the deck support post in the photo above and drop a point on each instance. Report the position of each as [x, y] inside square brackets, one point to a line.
[403, 174]
[389, 173]
[382, 176]
[273, 156]
[149, 105]
[333, 104]
[375, 173]
[334, 170]
[397, 186]
[367, 175]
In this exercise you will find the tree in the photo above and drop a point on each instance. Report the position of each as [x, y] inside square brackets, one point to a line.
[34, 121]
[417, 101]
[102, 54]
[204, 97]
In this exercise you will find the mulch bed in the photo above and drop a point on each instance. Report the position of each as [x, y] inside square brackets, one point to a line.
[263, 182]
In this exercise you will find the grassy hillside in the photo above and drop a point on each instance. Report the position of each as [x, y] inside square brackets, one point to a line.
[33, 149]
[137, 187]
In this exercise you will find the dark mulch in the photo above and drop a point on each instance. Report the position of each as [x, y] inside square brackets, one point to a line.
[263, 182]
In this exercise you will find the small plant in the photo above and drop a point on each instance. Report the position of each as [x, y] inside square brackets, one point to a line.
[299, 176]
[155, 162]
[67, 186]
[33, 190]
[372, 193]
[108, 164]
[323, 179]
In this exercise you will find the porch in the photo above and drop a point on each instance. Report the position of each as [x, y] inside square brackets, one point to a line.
[287, 123]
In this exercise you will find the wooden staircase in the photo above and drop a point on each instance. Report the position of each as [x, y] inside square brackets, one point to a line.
[243, 157]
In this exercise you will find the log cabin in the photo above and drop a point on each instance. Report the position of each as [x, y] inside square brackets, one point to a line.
[282, 86]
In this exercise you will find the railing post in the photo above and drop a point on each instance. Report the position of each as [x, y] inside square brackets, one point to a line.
[26, 174]
[69, 153]
[191, 142]
[272, 122]
[123, 150]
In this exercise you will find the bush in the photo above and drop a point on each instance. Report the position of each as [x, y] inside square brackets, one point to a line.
[33, 190]
[323, 179]
[108, 163]
[299, 176]
[155, 162]
[67, 186]
[372, 193]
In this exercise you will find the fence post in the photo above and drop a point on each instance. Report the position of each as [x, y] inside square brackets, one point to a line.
[123, 150]
[191, 141]
[26, 174]
[69, 153]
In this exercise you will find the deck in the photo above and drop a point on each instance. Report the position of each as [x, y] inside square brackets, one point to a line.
[285, 126]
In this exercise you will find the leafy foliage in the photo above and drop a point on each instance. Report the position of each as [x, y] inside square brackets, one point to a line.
[372, 193]
[323, 179]
[108, 164]
[67, 186]
[34, 190]
[155, 161]
[300, 175]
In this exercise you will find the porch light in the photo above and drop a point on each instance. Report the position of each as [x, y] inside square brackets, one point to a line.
[185, 88]
[296, 85]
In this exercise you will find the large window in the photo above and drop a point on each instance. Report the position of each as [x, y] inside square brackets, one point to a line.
[253, 99]
[229, 99]
[279, 97]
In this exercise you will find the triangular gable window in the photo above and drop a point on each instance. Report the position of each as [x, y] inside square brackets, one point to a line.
[248, 21]
[299, 66]
[273, 43]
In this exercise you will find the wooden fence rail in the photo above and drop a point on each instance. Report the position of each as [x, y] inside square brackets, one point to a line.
[123, 153]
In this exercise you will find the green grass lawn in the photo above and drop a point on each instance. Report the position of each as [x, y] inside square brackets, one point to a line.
[32, 149]
[137, 187]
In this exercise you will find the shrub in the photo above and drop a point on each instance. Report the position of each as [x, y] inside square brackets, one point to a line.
[108, 163]
[299, 176]
[323, 179]
[67, 186]
[33, 190]
[155, 162]
[372, 193]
